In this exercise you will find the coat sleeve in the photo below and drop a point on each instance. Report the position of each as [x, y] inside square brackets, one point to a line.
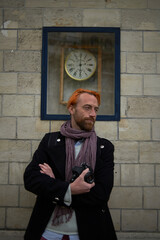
[100, 193]
[41, 184]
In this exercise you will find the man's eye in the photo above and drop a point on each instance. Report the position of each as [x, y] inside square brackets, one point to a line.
[87, 108]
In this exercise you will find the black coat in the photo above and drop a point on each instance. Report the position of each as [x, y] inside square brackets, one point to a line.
[93, 218]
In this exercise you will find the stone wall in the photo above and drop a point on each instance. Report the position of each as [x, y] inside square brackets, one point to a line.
[135, 200]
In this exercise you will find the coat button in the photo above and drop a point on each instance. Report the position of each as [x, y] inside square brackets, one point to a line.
[102, 146]
[56, 198]
[103, 210]
[58, 140]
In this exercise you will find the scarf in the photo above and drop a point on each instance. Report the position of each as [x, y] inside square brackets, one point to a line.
[87, 154]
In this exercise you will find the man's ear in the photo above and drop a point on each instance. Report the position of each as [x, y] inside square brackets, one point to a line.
[71, 109]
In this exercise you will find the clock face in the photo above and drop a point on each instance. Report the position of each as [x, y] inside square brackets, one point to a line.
[80, 64]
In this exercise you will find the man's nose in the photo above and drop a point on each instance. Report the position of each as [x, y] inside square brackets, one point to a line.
[93, 112]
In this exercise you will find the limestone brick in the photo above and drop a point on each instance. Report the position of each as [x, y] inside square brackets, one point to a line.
[9, 195]
[46, 3]
[29, 39]
[146, 107]
[22, 61]
[123, 107]
[27, 199]
[22, 18]
[8, 39]
[1, 18]
[16, 171]
[127, 4]
[18, 105]
[140, 19]
[8, 82]
[31, 128]
[131, 41]
[154, 4]
[62, 17]
[134, 129]
[158, 63]
[37, 106]
[117, 175]
[152, 85]
[11, 3]
[131, 84]
[158, 175]
[88, 4]
[17, 218]
[156, 129]
[116, 218]
[141, 63]
[56, 125]
[151, 41]
[1, 60]
[149, 152]
[126, 152]
[4, 173]
[151, 197]
[35, 145]
[0, 105]
[2, 217]
[106, 130]
[29, 83]
[139, 220]
[102, 17]
[137, 175]
[7, 127]
[126, 197]
[123, 62]
[15, 150]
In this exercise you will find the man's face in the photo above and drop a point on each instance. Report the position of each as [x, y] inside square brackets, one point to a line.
[83, 114]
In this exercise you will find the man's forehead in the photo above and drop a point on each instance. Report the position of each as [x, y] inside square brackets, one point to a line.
[87, 98]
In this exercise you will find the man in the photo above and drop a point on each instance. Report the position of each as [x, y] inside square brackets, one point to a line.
[72, 209]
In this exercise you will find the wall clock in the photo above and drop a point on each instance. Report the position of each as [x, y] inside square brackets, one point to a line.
[80, 64]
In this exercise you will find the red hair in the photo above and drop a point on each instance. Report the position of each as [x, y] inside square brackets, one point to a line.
[73, 98]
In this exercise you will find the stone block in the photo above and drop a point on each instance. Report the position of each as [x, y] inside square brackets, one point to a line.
[1, 60]
[158, 175]
[136, 4]
[8, 83]
[29, 39]
[134, 129]
[159, 220]
[31, 128]
[152, 85]
[4, 173]
[23, 18]
[131, 41]
[149, 152]
[141, 63]
[137, 175]
[46, 3]
[139, 220]
[145, 107]
[9, 195]
[2, 217]
[131, 84]
[123, 62]
[117, 175]
[7, 127]
[62, 17]
[88, 4]
[10, 3]
[56, 125]
[140, 19]
[15, 150]
[35, 145]
[154, 4]
[116, 215]
[123, 107]
[22, 61]
[158, 63]
[126, 152]
[18, 105]
[102, 17]
[106, 130]
[29, 83]
[156, 129]
[0, 105]
[151, 41]
[8, 39]
[16, 171]
[1, 17]
[27, 199]
[126, 197]
[151, 197]
[17, 218]
[37, 106]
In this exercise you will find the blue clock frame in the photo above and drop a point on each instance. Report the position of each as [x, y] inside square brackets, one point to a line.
[44, 78]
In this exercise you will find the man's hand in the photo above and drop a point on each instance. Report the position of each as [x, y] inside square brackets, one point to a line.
[79, 186]
[46, 169]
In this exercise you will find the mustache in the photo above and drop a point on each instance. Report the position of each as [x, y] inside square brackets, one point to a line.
[90, 118]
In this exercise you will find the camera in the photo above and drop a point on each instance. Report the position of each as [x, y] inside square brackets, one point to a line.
[76, 171]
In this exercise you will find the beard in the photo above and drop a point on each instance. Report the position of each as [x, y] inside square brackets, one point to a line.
[85, 124]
